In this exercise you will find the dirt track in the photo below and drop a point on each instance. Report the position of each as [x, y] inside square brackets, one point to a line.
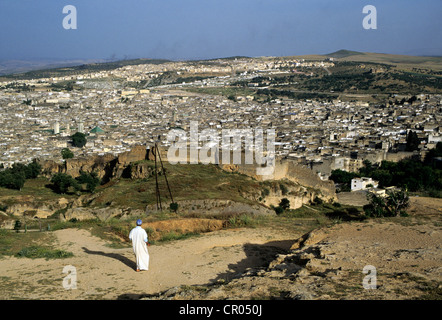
[107, 273]
[409, 248]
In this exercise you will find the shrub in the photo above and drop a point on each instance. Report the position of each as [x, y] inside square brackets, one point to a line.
[61, 183]
[90, 179]
[318, 201]
[15, 177]
[265, 192]
[278, 210]
[17, 225]
[173, 206]
[393, 205]
[11, 180]
[285, 203]
[42, 252]
[243, 220]
[66, 153]
[284, 189]
[79, 140]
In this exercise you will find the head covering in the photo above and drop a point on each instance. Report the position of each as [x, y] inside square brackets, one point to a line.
[139, 222]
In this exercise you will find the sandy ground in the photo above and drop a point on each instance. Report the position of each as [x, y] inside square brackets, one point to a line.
[403, 254]
[108, 273]
[408, 257]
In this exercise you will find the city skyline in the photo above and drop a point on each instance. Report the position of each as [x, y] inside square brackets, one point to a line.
[194, 29]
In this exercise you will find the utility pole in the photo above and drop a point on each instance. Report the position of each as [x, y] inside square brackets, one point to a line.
[156, 154]
[157, 190]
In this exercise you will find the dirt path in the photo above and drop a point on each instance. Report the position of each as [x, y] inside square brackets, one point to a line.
[107, 273]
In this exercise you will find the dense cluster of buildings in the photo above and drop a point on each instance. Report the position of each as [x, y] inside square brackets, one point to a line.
[38, 123]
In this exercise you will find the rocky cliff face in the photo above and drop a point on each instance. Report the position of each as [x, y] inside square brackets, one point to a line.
[103, 214]
[106, 166]
[213, 208]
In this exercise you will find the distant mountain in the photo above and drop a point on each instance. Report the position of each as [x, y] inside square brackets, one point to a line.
[75, 67]
[22, 69]
[21, 66]
[343, 54]
[432, 62]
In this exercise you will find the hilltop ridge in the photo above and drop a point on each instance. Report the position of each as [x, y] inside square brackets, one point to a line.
[20, 69]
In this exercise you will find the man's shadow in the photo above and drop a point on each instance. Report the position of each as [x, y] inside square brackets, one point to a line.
[119, 257]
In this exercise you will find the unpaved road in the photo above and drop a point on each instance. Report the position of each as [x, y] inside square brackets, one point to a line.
[108, 273]
[407, 254]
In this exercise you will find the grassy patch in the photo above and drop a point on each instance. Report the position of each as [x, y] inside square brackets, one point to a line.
[241, 221]
[333, 212]
[34, 252]
[176, 235]
[35, 188]
[187, 182]
[18, 244]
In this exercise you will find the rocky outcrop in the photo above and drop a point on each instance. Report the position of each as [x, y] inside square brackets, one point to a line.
[102, 214]
[143, 170]
[107, 166]
[98, 164]
[49, 167]
[215, 207]
[6, 222]
[36, 209]
[137, 153]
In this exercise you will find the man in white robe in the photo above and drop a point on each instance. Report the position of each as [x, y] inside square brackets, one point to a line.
[139, 240]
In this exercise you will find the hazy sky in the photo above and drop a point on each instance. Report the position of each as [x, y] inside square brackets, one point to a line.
[194, 29]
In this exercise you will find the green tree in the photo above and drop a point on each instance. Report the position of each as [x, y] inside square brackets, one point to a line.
[344, 178]
[413, 141]
[12, 180]
[173, 206]
[17, 225]
[367, 169]
[376, 206]
[15, 177]
[433, 154]
[32, 170]
[283, 188]
[66, 153]
[397, 202]
[278, 210]
[284, 203]
[394, 204]
[61, 183]
[79, 140]
[90, 179]
[384, 177]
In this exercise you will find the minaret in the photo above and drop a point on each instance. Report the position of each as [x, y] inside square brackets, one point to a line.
[56, 127]
[81, 127]
[68, 129]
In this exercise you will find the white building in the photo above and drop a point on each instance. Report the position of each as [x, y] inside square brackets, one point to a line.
[363, 183]
[56, 127]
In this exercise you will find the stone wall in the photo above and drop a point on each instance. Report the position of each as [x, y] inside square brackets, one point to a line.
[292, 171]
[106, 166]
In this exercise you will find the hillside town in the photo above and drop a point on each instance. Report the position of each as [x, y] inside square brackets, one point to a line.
[117, 110]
